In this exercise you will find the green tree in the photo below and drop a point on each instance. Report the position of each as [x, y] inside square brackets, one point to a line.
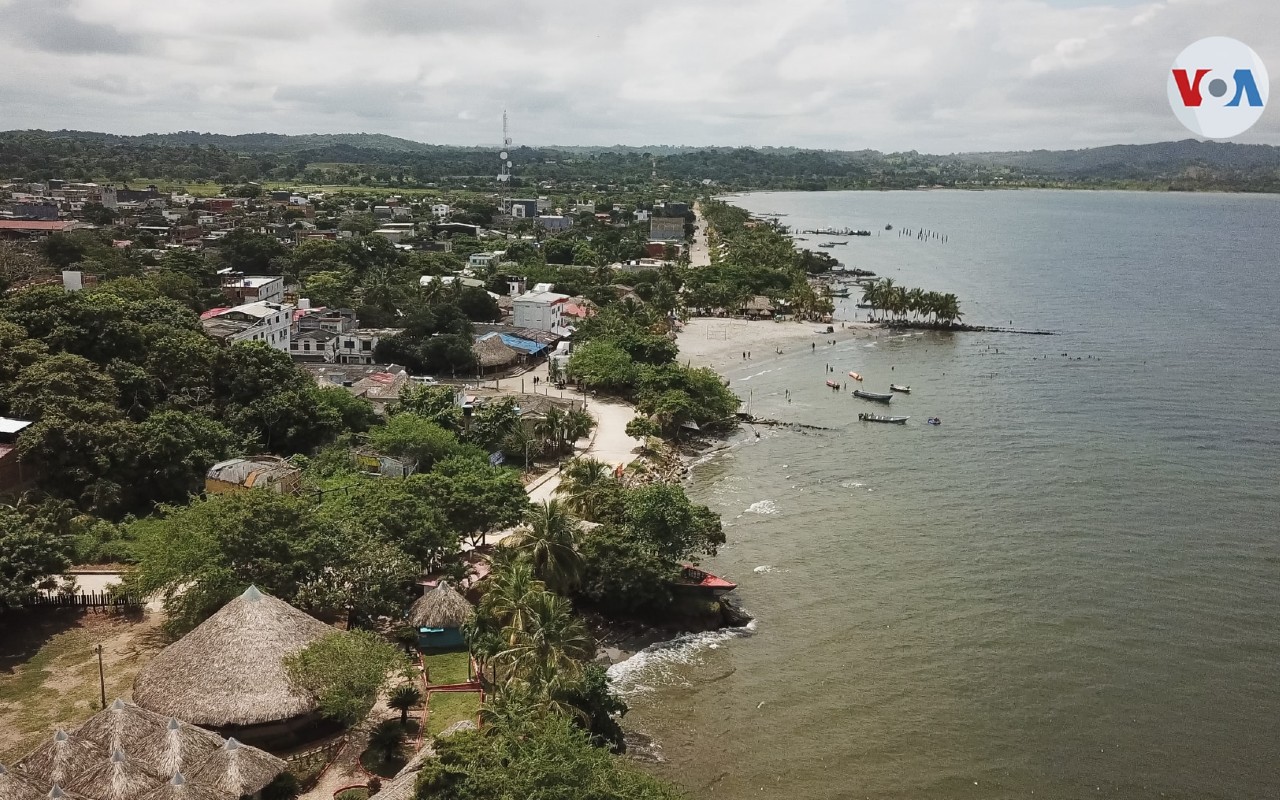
[417, 438]
[623, 576]
[200, 556]
[590, 490]
[397, 512]
[475, 496]
[345, 670]
[492, 423]
[404, 698]
[435, 403]
[549, 539]
[34, 546]
[356, 414]
[662, 515]
[548, 758]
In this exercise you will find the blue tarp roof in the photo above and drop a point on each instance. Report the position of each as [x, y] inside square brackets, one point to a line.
[524, 345]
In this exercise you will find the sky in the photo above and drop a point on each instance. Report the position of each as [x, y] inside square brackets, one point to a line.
[936, 76]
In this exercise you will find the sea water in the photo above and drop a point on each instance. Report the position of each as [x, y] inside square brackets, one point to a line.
[1071, 587]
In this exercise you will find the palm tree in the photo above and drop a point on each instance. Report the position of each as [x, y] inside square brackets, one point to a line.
[551, 429]
[577, 424]
[512, 588]
[403, 698]
[581, 485]
[915, 301]
[385, 741]
[550, 541]
[552, 637]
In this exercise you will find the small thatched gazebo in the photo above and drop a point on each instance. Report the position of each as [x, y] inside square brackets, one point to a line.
[116, 778]
[161, 745]
[228, 673]
[15, 787]
[58, 761]
[178, 788]
[493, 354]
[439, 616]
[238, 770]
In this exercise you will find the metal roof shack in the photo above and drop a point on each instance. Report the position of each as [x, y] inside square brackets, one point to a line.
[256, 472]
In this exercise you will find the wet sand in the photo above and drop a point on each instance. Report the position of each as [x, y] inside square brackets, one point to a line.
[718, 342]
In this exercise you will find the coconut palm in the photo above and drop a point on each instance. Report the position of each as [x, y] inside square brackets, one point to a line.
[550, 541]
[582, 486]
[512, 588]
[551, 429]
[552, 636]
[915, 301]
[577, 424]
[402, 698]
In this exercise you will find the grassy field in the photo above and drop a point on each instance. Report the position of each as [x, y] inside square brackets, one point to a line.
[49, 670]
[446, 668]
[447, 708]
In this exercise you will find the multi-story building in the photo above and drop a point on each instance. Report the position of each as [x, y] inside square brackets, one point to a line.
[241, 289]
[252, 322]
[357, 346]
[539, 309]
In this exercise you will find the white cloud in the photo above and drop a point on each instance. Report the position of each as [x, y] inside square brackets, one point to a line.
[930, 75]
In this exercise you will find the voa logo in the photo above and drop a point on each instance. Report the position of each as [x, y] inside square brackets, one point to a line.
[1218, 87]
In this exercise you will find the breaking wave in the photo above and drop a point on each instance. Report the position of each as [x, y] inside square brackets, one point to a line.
[762, 507]
[657, 664]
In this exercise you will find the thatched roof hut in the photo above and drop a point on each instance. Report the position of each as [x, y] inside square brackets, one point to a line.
[229, 672]
[442, 607]
[15, 787]
[493, 353]
[57, 761]
[178, 788]
[116, 778]
[162, 745]
[238, 770]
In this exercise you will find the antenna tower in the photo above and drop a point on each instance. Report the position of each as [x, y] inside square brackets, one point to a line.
[504, 157]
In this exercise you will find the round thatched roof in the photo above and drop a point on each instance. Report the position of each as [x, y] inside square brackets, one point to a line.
[57, 761]
[230, 669]
[238, 770]
[162, 745]
[178, 788]
[442, 607]
[116, 778]
[15, 787]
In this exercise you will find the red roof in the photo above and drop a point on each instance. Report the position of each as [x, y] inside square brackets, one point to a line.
[34, 225]
[213, 312]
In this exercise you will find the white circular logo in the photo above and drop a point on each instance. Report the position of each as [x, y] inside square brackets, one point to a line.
[1218, 87]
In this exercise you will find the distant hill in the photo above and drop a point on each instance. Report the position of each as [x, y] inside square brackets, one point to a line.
[375, 159]
[1135, 160]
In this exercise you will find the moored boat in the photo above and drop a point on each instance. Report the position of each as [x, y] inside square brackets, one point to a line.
[833, 384]
[700, 581]
[855, 376]
[897, 387]
[883, 418]
[934, 421]
[876, 396]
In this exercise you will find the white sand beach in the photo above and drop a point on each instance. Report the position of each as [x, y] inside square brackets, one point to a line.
[717, 342]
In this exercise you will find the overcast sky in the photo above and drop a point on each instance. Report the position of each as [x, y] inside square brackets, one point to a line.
[930, 75]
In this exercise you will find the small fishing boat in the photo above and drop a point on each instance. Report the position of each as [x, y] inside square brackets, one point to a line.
[865, 305]
[855, 376]
[827, 244]
[888, 227]
[834, 384]
[934, 421]
[883, 418]
[698, 581]
[839, 292]
[876, 396]
[897, 387]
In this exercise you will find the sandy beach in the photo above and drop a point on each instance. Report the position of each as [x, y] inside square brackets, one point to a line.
[718, 342]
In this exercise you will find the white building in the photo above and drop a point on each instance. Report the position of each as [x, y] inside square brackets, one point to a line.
[241, 289]
[357, 346]
[441, 210]
[253, 322]
[485, 260]
[540, 310]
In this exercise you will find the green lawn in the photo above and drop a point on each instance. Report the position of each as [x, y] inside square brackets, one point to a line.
[447, 708]
[446, 668]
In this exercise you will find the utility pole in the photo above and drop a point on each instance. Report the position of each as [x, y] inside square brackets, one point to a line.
[102, 678]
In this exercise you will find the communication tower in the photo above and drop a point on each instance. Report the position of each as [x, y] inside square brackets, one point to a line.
[504, 156]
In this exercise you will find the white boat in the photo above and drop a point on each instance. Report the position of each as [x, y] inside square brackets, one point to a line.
[876, 396]
[883, 418]
[897, 387]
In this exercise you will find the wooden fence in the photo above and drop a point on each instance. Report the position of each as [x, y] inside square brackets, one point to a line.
[90, 600]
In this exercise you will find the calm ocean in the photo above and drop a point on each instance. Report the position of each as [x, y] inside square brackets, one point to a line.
[1071, 588]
